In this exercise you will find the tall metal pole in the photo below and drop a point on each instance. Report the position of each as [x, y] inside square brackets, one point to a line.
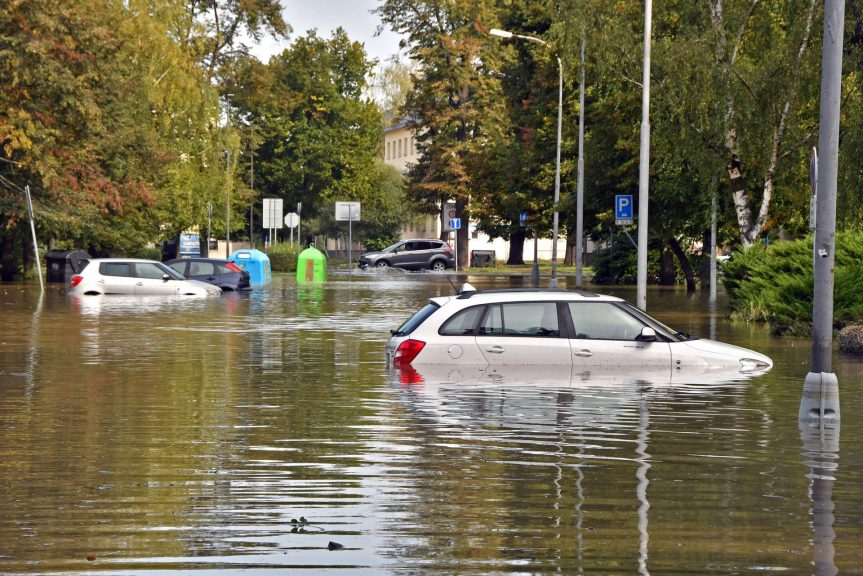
[713, 243]
[252, 205]
[228, 209]
[33, 231]
[553, 282]
[644, 164]
[828, 165]
[579, 205]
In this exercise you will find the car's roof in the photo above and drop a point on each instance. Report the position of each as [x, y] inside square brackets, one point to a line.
[197, 259]
[531, 295]
[97, 260]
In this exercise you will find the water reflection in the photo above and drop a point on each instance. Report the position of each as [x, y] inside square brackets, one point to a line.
[166, 435]
[821, 451]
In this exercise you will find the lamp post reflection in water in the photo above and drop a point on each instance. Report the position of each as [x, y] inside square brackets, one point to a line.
[821, 453]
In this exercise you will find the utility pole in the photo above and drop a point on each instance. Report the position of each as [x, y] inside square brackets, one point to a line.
[228, 208]
[821, 388]
[579, 187]
[644, 164]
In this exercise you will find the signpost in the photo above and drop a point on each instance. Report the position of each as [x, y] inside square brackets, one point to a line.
[272, 216]
[455, 224]
[448, 214]
[292, 219]
[349, 211]
[623, 209]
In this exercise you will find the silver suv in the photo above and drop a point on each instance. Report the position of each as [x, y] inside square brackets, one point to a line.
[416, 254]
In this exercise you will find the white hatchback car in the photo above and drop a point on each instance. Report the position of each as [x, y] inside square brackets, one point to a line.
[559, 327]
[135, 277]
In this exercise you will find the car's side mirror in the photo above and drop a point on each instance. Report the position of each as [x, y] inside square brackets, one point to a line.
[166, 277]
[648, 334]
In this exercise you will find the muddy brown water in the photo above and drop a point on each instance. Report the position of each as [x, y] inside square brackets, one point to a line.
[262, 434]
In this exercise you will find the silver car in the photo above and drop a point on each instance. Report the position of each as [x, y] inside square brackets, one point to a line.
[419, 254]
[135, 277]
[554, 327]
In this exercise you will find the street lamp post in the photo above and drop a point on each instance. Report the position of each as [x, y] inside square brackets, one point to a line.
[505, 34]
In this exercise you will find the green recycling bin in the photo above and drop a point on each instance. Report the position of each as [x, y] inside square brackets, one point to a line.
[311, 266]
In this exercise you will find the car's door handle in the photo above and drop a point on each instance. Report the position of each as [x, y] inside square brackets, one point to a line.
[495, 349]
[584, 353]
[210, 278]
[139, 284]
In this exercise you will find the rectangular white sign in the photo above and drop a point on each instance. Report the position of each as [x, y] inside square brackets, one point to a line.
[348, 211]
[273, 213]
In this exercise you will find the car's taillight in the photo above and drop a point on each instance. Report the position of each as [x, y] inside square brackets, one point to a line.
[407, 351]
[233, 267]
[76, 279]
[448, 249]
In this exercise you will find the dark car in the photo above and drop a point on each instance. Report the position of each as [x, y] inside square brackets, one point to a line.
[222, 273]
[412, 255]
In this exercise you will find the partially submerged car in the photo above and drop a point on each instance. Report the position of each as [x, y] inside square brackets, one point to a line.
[216, 271]
[554, 327]
[135, 276]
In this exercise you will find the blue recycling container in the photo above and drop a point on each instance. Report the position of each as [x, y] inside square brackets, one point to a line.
[256, 263]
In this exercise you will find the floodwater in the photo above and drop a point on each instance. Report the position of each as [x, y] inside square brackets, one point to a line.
[262, 434]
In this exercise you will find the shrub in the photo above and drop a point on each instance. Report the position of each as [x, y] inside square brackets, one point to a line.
[283, 257]
[775, 286]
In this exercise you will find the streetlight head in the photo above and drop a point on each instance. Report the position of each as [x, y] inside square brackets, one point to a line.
[500, 33]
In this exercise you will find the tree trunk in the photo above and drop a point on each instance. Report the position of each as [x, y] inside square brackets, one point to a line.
[704, 268]
[463, 233]
[688, 273]
[667, 275]
[516, 247]
[7, 259]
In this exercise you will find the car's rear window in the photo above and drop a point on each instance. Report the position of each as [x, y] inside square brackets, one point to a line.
[417, 319]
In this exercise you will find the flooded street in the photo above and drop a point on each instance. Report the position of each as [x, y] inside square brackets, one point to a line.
[261, 433]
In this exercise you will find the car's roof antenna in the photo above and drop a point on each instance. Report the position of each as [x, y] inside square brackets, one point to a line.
[454, 287]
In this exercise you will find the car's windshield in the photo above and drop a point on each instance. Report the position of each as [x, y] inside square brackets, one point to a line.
[171, 272]
[653, 322]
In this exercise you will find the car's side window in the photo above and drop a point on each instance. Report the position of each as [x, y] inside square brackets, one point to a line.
[463, 323]
[404, 247]
[179, 267]
[146, 270]
[603, 321]
[120, 269]
[222, 269]
[521, 319]
[422, 246]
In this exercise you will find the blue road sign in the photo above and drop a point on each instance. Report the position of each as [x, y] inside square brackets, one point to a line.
[623, 209]
[455, 223]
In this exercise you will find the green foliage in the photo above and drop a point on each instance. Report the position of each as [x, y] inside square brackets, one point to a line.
[775, 285]
[283, 257]
[374, 243]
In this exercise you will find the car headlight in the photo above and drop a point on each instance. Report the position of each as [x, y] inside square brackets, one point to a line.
[213, 291]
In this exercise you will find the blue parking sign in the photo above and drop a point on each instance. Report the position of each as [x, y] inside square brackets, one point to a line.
[455, 223]
[623, 209]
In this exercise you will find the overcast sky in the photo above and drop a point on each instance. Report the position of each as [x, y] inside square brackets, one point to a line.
[326, 16]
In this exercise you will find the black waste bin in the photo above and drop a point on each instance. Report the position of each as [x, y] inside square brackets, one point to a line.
[63, 264]
[482, 258]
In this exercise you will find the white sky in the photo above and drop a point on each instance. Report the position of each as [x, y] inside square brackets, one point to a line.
[326, 16]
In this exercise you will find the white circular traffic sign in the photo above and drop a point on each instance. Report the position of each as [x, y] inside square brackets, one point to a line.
[291, 219]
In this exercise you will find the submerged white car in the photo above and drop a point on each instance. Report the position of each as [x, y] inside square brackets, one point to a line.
[559, 327]
[135, 277]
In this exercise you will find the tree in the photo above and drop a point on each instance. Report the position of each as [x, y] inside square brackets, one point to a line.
[454, 104]
[210, 29]
[320, 137]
